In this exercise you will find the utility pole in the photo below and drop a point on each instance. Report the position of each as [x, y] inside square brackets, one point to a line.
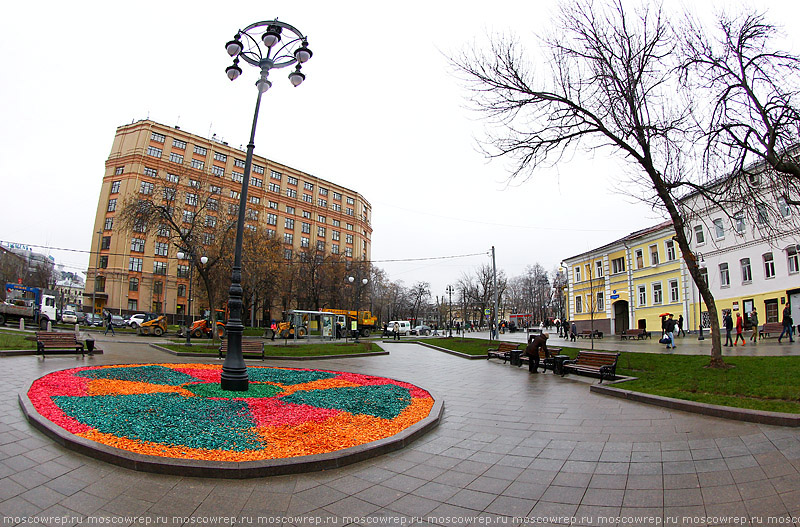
[494, 283]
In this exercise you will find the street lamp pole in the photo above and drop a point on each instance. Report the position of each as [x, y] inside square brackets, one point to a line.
[357, 292]
[259, 45]
[203, 260]
[450, 312]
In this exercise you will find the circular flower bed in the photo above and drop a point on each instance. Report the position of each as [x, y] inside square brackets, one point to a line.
[179, 411]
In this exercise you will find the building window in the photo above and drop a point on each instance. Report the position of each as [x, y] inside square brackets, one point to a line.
[172, 178]
[133, 284]
[188, 216]
[169, 194]
[120, 170]
[321, 232]
[288, 237]
[139, 225]
[105, 243]
[747, 273]
[199, 165]
[670, 250]
[349, 211]
[215, 189]
[618, 265]
[769, 265]
[337, 196]
[642, 296]
[322, 202]
[600, 304]
[158, 288]
[256, 182]
[145, 187]
[783, 208]
[158, 138]
[191, 199]
[308, 198]
[133, 304]
[258, 169]
[274, 187]
[658, 296]
[182, 293]
[272, 219]
[738, 222]
[287, 254]
[719, 228]
[235, 194]
[305, 227]
[112, 205]
[288, 223]
[639, 255]
[218, 171]
[698, 235]
[304, 242]
[137, 245]
[724, 275]
[654, 255]
[673, 291]
[180, 145]
[163, 231]
[308, 186]
[103, 264]
[237, 177]
[598, 269]
[348, 238]
[348, 252]
[291, 193]
[577, 274]
[255, 200]
[336, 207]
[321, 219]
[320, 245]
[578, 304]
[208, 238]
[792, 259]
[153, 151]
[291, 180]
[212, 204]
[200, 150]
[109, 225]
[160, 268]
[335, 235]
[161, 249]
[251, 214]
[218, 156]
[183, 271]
[762, 214]
[334, 249]
[135, 265]
[115, 187]
[275, 175]
[211, 221]
[176, 158]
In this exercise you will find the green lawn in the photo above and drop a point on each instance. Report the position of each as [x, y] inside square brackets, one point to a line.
[758, 383]
[13, 340]
[300, 350]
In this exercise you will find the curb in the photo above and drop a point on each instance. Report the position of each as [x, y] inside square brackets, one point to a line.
[712, 410]
[271, 357]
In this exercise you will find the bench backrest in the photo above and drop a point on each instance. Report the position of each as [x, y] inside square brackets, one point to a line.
[772, 326]
[596, 358]
[247, 345]
[55, 336]
[506, 346]
[635, 331]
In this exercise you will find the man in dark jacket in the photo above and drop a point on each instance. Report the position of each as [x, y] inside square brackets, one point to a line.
[728, 322]
[532, 351]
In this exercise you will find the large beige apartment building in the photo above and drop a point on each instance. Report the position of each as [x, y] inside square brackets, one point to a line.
[135, 270]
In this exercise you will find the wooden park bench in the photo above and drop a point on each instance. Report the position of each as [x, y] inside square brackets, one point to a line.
[503, 351]
[770, 329]
[600, 363]
[636, 333]
[251, 348]
[58, 342]
[544, 362]
[587, 334]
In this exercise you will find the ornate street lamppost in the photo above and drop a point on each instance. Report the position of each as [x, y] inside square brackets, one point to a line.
[266, 45]
[449, 291]
[203, 260]
[357, 292]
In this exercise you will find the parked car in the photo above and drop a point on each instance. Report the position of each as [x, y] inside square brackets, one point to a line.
[118, 322]
[69, 317]
[93, 319]
[136, 320]
[81, 317]
[421, 330]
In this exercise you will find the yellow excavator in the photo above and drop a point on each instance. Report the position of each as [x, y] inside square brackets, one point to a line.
[153, 325]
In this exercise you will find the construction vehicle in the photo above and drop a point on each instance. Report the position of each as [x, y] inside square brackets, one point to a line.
[202, 327]
[365, 322]
[286, 330]
[31, 304]
[153, 325]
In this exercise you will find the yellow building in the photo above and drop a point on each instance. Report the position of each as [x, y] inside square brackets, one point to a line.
[137, 270]
[628, 283]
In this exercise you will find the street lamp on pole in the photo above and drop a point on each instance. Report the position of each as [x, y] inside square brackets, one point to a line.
[701, 263]
[203, 260]
[266, 45]
[450, 311]
[357, 292]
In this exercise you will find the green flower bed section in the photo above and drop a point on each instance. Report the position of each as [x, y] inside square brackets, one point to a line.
[757, 383]
[213, 390]
[165, 418]
[385, 401]
[148, 374]
[287, 377]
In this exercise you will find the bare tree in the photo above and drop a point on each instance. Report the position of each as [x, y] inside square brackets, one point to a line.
[755, 117]
[613, 86]
[420, 292]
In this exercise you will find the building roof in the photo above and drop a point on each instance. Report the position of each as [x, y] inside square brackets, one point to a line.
[628, 238]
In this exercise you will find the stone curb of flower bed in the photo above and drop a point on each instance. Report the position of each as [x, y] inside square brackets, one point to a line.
[713, 410]
[271, 357]
[232, 470]
[451, 352]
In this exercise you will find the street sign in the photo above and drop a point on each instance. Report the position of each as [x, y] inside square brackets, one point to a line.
[487, 311]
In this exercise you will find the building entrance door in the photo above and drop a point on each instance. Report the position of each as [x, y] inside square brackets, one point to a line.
[621, 320]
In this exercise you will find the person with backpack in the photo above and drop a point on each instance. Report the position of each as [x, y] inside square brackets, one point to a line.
[728, 323]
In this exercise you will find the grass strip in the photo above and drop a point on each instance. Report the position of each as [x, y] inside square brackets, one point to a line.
[15, 340]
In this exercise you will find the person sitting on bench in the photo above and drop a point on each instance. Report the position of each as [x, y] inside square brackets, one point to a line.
[532, 351]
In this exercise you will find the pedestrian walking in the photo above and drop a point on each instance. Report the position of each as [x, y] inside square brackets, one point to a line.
[787, 324]
[754, 323]
[680, 325]
[739, 329]
[573, 332]
[396, 331]
[669, 330]
[728, 323]
[109, 324]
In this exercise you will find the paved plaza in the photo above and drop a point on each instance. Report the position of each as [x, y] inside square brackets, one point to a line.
[512, 449]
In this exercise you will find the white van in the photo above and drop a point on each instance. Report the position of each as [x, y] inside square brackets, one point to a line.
[405, 326]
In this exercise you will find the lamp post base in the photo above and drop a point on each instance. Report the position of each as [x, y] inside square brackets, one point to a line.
[234, 381]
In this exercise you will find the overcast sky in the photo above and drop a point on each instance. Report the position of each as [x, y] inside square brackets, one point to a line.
[380, 112]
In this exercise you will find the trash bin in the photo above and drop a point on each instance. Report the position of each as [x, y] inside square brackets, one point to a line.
[90, 346]
[558, 363]
[516, 357]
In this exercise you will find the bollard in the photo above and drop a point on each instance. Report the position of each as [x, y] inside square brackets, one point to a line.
[22, 324]
[701, 333]
[49, 326]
